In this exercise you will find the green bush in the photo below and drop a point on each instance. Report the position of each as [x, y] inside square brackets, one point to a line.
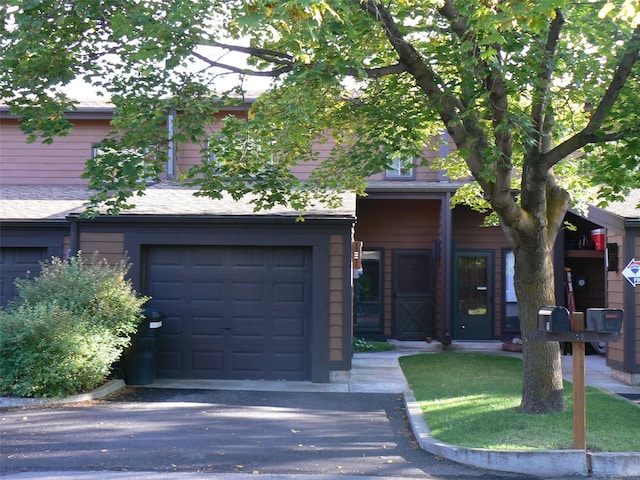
[66, 328]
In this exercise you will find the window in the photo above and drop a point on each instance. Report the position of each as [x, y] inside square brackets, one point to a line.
[368, 290]
[511, 319]
[401, 169]
[143, 158]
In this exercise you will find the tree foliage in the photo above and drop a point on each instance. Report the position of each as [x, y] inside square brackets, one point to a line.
[539, 97]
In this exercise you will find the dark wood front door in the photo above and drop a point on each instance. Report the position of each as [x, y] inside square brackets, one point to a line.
[473, 295]
[413, 294]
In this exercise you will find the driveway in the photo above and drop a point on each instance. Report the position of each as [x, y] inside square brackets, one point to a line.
[221, 434]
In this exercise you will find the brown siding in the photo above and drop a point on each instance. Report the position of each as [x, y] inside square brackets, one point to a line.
[391, 224]
[636, 295]
[615, 298]
[60, 163]
[336, 298]
[109, 246]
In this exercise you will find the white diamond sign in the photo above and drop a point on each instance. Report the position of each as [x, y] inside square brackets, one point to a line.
[632, 272]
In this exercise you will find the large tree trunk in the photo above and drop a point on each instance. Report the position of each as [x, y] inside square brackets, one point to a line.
[534, 285]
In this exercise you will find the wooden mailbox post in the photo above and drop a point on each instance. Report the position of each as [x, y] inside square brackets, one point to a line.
[579, 337]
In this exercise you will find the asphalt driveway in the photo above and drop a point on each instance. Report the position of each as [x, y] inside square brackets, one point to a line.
[223, 432]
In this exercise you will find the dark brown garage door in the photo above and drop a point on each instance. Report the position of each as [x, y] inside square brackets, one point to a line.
[232, 312]
[16, 262]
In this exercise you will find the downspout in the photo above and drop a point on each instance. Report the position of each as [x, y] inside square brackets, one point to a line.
[447, 268]
[74, 237]
[171, 146]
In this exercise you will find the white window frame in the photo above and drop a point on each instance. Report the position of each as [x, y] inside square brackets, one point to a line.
[399, 171]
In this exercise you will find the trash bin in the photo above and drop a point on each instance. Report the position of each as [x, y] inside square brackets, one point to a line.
[139, 360]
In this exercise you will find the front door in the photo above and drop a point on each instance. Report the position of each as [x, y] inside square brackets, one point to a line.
[413, 294]
[473, 295]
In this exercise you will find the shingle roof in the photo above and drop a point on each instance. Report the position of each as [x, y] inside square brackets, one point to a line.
[628, 208]
[38, 202]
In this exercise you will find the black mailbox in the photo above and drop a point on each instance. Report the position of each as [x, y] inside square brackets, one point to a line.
[607, 320]
[553, 319]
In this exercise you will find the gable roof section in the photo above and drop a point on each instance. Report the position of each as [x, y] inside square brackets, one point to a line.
[618, 215]
[30, 203]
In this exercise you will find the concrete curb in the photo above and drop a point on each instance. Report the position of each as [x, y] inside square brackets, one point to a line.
[547, 463]
[102, 391]
[615, 464]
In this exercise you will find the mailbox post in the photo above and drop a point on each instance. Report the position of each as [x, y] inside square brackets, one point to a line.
[556, 325]
[579, 396]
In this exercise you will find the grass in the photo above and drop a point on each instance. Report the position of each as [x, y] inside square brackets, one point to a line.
[361, 345]
[471, 399]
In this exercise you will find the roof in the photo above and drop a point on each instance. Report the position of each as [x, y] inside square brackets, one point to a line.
[628, 208]
[39, 202]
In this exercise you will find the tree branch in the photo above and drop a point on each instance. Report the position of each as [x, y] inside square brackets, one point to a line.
[285, 63]
[541, 93]
[426, 79]
[590, 134]
[494, 85]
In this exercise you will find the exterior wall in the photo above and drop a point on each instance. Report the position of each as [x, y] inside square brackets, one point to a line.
[468, 234]
[337, 295]
[59, 163]
[117, 237]
[396, 224]
[615, 297]
[107, 245]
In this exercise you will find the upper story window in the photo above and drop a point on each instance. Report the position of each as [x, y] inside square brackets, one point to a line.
[401, 169]
[143, 159]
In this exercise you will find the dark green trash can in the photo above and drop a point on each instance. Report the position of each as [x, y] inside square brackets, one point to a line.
[139, 360]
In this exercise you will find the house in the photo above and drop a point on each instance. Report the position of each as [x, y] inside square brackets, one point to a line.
[621, 221]
[246, 295]
[259, 295]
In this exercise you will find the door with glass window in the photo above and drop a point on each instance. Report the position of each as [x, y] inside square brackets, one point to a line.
[473, 295]
[367, 304]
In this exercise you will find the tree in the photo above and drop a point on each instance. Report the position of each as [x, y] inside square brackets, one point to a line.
[532, 92]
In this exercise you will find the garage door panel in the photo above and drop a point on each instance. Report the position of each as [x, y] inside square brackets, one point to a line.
[207, 290]
[247, 328]
[286, 362]
[239, 312]
[249, 292]
[208, 326]
[205, 362]
[289, 327]
[15, 262]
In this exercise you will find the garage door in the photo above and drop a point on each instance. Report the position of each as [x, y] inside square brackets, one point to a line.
[232, 312]
[16, 262]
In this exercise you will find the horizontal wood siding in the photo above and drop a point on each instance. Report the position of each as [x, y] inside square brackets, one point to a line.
[109, 246]
[337, 316]
[615, 296]
[636, 331]
[395, 224]
[60, 163]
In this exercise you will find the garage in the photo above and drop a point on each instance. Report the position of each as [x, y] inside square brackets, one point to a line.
[16, 262]
[232, 312]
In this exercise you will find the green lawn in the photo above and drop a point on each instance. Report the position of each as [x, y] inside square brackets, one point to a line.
[471, 399]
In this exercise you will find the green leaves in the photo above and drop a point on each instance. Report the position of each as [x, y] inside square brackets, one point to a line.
[348, 76]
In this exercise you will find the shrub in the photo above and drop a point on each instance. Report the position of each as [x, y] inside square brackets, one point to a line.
[66, 328]
[361, 345]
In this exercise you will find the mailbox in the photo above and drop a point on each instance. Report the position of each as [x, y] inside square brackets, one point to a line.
[554, 319]
[607, 320]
